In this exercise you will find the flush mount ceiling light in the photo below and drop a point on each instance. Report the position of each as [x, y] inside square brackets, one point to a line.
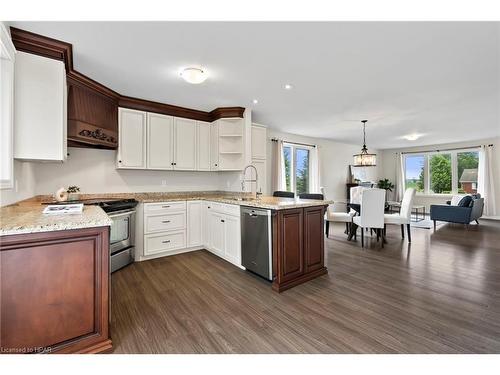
[412, 137]
[288, 86]
[255, 101]
[365, 159]
[194, 75]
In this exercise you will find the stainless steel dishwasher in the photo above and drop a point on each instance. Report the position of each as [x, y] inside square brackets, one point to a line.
[256, 241]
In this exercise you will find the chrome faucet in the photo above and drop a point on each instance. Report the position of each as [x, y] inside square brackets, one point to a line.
[243, 180]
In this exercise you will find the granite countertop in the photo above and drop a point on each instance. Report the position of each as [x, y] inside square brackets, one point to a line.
[27, 217]
[273, 203]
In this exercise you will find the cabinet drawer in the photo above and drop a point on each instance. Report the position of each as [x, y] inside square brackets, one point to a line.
[217, 207]
[232, 209]
[164, 207]
[155, 243]
[160, 223]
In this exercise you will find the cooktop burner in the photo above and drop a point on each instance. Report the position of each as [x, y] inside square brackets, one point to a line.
[107, 204]
[116, 204]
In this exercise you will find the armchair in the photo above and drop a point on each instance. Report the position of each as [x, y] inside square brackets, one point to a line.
[458, 214]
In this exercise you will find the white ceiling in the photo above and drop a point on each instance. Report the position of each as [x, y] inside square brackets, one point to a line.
[438, 79]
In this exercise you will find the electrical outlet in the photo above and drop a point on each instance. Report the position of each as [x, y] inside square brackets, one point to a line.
[163, 182]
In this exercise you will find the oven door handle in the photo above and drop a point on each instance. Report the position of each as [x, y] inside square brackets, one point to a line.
[128, 213]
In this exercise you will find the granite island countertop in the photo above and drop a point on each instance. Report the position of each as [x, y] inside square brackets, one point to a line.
[27, 217]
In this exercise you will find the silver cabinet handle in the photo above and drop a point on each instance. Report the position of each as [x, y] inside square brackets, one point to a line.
[165, 206]
[166, 241]
[166, 221]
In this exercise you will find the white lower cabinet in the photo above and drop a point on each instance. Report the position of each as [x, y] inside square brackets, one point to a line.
[217, 225]
[158, 243]
[232, 240]
[173, 227]
[224, 233]
[194, 223]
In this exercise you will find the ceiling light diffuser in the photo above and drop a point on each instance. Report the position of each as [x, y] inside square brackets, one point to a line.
[288, 86]
[412, 137]
[255, 101]
[194, 75]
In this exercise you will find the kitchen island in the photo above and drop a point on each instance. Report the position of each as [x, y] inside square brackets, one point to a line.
[54, 280]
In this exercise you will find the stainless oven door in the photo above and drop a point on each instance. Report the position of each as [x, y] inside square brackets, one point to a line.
[122, 230]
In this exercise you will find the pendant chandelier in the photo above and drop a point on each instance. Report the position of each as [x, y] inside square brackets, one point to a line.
[365, 159]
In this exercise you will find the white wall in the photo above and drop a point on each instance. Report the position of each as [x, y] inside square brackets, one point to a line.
[24, 183]
[94, 172]
[334, 157]
[389, 166]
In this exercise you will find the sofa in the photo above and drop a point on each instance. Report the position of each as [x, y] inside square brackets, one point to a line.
[462, 209]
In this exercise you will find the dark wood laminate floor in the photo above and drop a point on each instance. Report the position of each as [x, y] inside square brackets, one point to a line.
[439, 295]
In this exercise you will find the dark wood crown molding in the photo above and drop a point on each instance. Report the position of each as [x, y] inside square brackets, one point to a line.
[225, 112]
[27, 41]
[76, 78]
[165, 109]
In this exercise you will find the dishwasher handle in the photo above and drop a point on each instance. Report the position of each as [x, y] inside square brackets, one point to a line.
[255, 212]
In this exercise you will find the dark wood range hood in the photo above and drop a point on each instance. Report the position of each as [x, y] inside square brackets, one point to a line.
[93, 107]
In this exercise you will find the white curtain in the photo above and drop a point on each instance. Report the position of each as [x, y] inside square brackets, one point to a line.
[486, 180]
[400, 176]
[278, 180]
[315, 168]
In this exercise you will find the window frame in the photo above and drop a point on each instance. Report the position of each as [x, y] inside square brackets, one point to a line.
[454, 169]
[293, 164]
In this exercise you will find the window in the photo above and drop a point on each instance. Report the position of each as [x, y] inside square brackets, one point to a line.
[442, 172]
[467, 167]
[414, 166]
[297, 168]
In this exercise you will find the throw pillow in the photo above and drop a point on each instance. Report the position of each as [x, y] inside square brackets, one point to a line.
[465, 201]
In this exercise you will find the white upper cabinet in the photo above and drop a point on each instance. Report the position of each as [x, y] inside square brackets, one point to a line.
[214, 147]
[7, 58]
[40, 108]
[228, 143]
[154, 141]
[132, 139]
[203, 142]
[259, 142]
[160, 141]
[185, 147]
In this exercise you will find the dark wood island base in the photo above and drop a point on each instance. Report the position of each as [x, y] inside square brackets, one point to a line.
[298, 246]
[55, 292]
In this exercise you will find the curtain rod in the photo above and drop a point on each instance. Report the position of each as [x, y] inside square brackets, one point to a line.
[293, 143]
[445, 149]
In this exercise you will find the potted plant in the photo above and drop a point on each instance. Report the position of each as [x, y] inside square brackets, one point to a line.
[385, 184]
[73, 193]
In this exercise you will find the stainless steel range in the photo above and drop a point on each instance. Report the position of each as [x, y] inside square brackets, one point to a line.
[122, 233]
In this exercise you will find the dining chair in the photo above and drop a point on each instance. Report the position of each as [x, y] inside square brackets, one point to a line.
[344, 217]
[372, 213]
[284, 194]
[404, 216]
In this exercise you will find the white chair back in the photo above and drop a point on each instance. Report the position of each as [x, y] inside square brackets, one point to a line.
[407, 203]
[372, 208]
[356, 193]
